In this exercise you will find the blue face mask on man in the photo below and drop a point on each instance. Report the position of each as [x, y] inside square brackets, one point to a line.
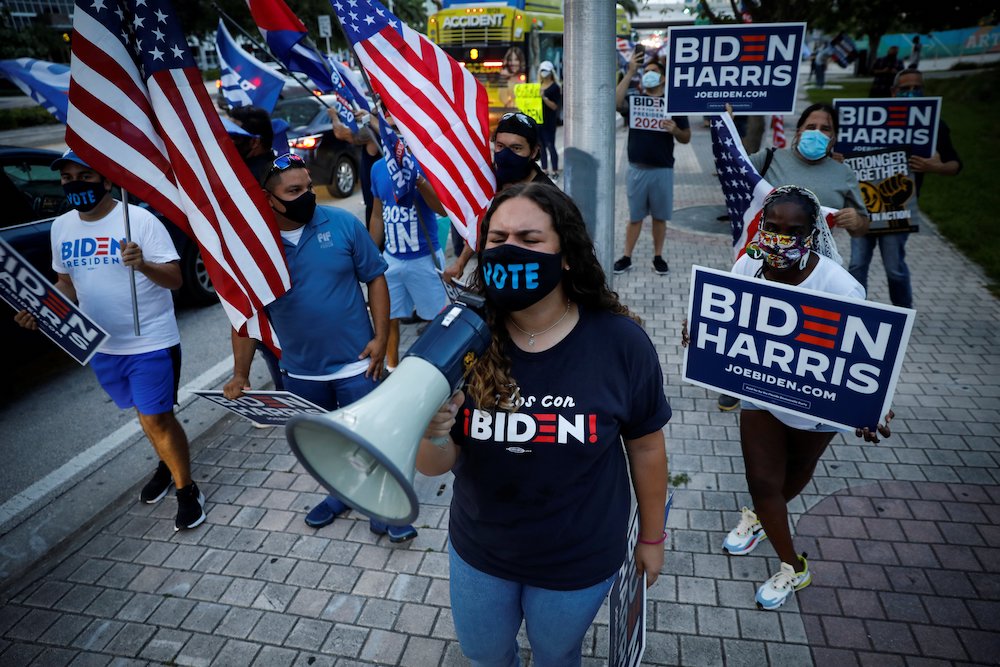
[813, 144]
[912, 91]
[651, 79]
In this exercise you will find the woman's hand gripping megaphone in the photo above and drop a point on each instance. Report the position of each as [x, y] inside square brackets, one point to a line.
[438, 453]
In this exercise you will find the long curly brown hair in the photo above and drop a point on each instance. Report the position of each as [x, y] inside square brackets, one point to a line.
[490, 383]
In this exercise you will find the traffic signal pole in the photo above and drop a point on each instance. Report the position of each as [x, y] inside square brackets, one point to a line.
[589, 119]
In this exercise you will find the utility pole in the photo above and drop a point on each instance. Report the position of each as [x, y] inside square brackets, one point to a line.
[589, 93]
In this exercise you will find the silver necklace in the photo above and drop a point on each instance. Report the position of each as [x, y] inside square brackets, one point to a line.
[531, 336]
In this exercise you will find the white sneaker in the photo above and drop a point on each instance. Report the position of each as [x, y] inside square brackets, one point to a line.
[746, 535]
[773, 592]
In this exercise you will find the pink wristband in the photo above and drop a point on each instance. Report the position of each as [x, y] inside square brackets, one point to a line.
[659, 541]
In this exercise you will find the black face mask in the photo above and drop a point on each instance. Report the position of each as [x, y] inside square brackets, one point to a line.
[300, 209]
[517, 278]
[511, 167]
[84, 195]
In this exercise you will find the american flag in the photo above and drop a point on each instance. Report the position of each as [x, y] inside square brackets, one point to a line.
[438, 106]
[140, 114]
[778, 131]
[742, 186]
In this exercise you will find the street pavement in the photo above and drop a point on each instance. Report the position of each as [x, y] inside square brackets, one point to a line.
[903, 536]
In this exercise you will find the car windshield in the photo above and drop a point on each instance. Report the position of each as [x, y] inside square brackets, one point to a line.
[297, 112]
[31, 192]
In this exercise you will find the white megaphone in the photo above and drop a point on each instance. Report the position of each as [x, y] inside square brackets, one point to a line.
[365, 453]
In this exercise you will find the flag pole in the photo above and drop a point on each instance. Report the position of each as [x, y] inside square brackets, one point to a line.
[131, 269]
[263, 47]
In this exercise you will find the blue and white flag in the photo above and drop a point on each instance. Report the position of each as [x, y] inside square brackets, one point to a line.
[46, 83]
[344, 83]
[403, 169]
[246, 81]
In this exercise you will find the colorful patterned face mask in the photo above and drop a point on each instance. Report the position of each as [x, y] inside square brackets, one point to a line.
[780, 250]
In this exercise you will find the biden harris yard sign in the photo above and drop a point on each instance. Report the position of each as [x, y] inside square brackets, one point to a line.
[752, 67]
[25, 288]
[828, 358]
[893, 122]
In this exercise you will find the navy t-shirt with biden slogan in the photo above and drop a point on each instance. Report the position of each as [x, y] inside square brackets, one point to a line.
[542, 494]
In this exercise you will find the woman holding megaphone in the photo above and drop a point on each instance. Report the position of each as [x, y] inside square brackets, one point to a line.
[541, 498]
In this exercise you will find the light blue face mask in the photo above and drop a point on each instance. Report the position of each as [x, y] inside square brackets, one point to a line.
[651, 79]
[813, 144]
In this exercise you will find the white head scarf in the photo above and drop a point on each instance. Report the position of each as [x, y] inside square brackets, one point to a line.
[822, 237]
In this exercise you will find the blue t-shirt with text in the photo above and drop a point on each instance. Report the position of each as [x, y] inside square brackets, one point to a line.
[541, 495]
[405, 236]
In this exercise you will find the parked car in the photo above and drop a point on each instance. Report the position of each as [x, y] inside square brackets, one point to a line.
[33, 197]
[331, 162]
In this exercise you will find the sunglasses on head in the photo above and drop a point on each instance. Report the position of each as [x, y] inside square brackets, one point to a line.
[516, 114]
[283, 162]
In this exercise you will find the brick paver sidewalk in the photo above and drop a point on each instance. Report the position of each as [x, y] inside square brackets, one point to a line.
[904, 537]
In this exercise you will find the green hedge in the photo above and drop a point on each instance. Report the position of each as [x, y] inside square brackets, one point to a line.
[11, 119]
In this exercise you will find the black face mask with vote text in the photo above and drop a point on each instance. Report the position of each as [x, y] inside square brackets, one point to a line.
[517, 278]
[84, 195]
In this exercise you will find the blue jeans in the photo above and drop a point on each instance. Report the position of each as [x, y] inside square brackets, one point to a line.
[547, 139]
[893, 250]
[487, 612]
[331, 394]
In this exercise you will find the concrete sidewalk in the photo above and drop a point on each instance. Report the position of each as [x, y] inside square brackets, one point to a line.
[903, 536]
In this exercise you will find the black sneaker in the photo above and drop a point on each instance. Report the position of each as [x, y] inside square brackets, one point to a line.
[623, 264]
[660, 266]
[190, 507]
[727, 403]
[157, 486]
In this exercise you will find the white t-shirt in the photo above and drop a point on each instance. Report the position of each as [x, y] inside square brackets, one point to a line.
[827, 276]
[90, 253]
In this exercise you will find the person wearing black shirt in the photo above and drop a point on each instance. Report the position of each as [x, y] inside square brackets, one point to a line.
[516, 147]
[650, 164]
[542, 441]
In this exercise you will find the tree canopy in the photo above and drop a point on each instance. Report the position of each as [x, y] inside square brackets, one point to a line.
[870, 18]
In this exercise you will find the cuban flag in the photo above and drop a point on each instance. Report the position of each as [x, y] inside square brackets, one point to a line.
[402, 166]
[440, 109]
[46, 83]
[246, 81]
[289, 41]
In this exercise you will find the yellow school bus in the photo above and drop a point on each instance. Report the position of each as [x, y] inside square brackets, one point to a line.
[502, 44]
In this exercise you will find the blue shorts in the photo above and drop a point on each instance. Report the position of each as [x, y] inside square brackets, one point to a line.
[650, 192]
[414, 284]
[147, 381]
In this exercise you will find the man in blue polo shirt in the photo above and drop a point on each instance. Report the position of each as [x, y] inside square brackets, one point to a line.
[331, 354]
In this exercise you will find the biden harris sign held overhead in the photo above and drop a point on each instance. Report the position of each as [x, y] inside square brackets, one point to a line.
[752, 67]
[828, 358]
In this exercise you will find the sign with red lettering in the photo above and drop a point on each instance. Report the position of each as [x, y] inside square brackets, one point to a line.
[266, 408]
[25, 288]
